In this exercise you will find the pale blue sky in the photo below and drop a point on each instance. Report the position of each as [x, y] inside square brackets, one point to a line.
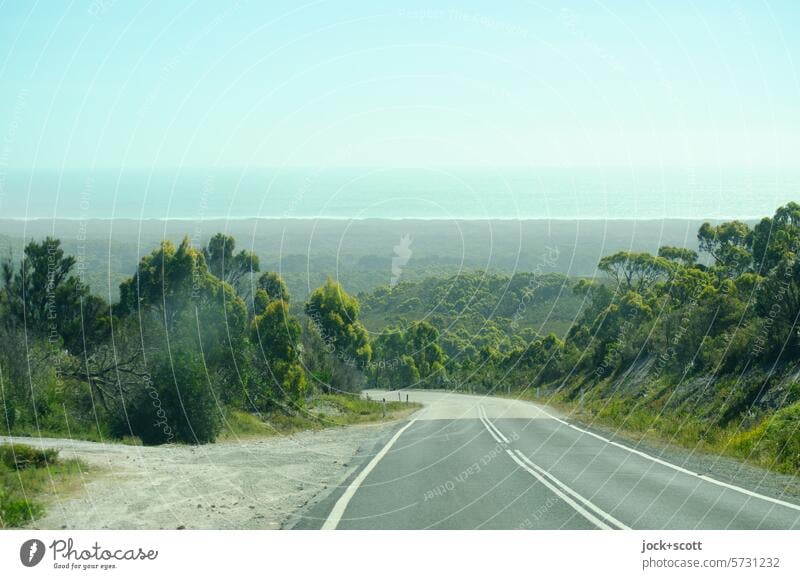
[118, 84]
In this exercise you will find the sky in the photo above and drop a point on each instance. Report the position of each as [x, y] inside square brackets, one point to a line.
[620, 83]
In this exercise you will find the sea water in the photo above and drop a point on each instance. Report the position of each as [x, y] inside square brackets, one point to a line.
[210, 193]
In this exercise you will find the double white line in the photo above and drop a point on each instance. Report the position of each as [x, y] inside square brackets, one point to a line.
[582, 505]
[493, 430]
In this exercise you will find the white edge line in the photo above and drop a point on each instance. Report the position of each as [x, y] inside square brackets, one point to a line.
[678, 468]
[338, 509]
[573, 492]
[587, 515]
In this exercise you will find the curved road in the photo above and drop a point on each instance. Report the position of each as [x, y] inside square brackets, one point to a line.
[471, 462]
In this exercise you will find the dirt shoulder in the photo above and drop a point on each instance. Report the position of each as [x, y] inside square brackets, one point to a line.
[251, 484]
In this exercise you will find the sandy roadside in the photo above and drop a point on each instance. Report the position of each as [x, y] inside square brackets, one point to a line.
[252, 484]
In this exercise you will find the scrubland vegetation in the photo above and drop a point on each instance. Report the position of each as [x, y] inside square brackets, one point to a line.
[26, 473]
[701, 349]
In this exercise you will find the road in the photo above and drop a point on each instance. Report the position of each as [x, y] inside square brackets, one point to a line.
[472, 462]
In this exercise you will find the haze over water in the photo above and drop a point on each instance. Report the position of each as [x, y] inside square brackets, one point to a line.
[396, 194]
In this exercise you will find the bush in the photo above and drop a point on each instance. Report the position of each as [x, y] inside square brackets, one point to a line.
[774, 442]
[19, 456]
[177, 404]
[15, 512]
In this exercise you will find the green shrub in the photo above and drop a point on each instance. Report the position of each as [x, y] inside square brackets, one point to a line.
[15, 512]
[19, 456]
[776, 441]
[177, 404]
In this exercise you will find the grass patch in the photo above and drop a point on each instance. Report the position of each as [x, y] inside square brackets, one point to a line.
[21, 456]
[324, 411]
[773, 443]
[355, 410]
[29, 477]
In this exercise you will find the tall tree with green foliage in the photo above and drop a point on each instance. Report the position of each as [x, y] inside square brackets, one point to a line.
[43, 296]
[273, 286]
[278, 336]
[422, 346]
[334, 313]
[635, 271]
[227, 265]
[175, 287]
[729, 244]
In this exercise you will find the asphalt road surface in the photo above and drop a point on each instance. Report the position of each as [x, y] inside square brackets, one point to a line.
[472, 462]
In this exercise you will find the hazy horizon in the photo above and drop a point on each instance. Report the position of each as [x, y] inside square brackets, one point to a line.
[339, 193]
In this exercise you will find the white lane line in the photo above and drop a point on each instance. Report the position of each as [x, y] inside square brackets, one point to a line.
[589, 504]
[676, 467]
[486, 425]
[586, 514]
[490, 431]
[493, 427]
[338, 509]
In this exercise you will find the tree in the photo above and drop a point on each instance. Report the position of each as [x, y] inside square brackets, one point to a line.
[176, 287]
[422, 346]
[224, 264]
[776, 239]
[689, 284]
[778, 305]
[278, 334]
[54, 333]
[270, 287]
[682, 255]
[44, 297]
[176, 299]
[388, 357]
[635, 271]
[273, 286]
[729, 244]
[335, 315]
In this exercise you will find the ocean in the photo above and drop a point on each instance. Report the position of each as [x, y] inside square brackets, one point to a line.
[394, 193]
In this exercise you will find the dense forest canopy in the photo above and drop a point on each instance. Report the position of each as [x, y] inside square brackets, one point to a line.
[357, 253]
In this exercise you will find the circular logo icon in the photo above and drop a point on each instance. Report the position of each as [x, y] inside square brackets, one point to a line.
[31, 552]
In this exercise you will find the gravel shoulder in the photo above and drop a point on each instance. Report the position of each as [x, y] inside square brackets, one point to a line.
[251, 484]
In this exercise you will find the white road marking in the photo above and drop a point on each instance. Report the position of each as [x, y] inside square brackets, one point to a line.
[490, 431]
[486, 425]
[572, 492]
[586, 514]
[539, 473]
[338, 509]
[492, 427]
[678, 468]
